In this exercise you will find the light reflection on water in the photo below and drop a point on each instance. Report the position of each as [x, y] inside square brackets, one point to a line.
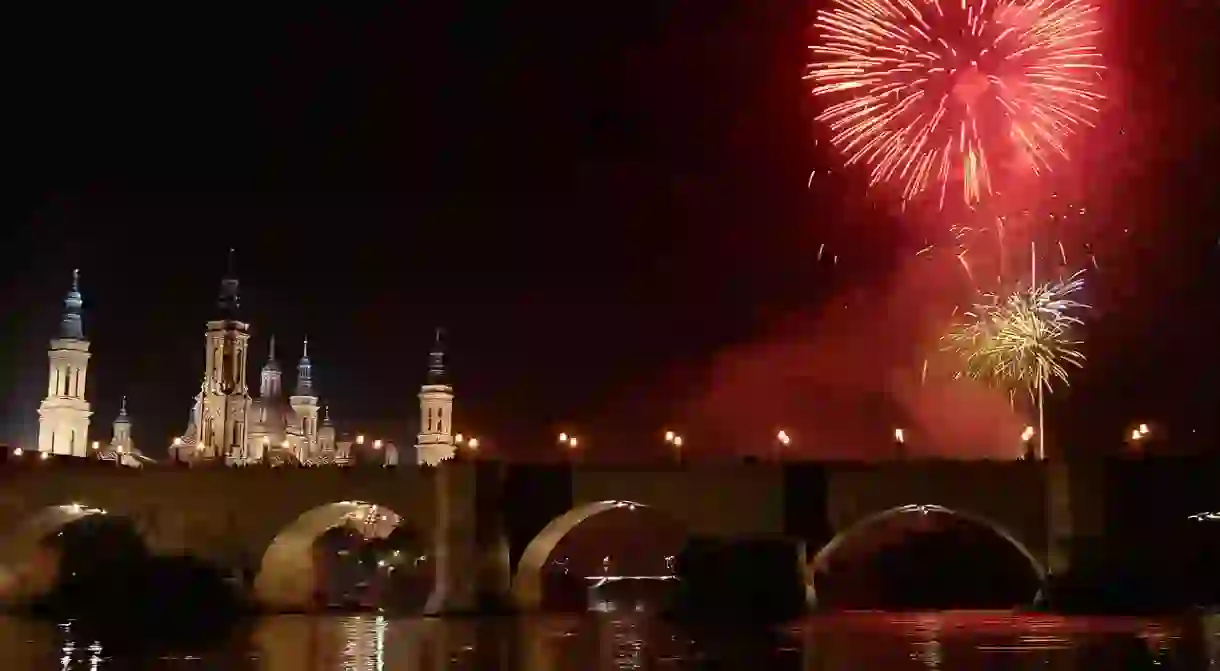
[604, 642]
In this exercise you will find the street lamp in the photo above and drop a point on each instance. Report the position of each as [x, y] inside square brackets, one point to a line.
[782, 440]
[377, 444]
[1027, 437]
[1138, 435]
[360, 439]
[471, 443]
[675, 441]
[571, 442]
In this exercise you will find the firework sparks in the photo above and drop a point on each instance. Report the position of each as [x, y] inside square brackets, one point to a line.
[929, 93]
[1024, 341]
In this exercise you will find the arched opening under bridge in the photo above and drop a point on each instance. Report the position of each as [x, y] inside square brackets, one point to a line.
[602, 554]
[925, 557]
[67, 544]
[351, 554]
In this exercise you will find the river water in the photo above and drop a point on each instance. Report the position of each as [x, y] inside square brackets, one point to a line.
[604, 641]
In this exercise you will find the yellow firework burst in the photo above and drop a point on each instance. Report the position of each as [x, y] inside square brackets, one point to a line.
[1024, 341]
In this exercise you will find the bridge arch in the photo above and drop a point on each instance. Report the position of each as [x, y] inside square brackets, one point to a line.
[527, 582]
[864, 524]
[287, 574]
[22, 573]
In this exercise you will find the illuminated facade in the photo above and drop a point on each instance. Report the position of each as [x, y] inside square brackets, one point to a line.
[229, 425]
[122, 449]
[63, 416]
[435, 443]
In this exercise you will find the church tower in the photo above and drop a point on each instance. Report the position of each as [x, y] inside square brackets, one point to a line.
[63, 416]
[304, 403]
[270, 385]
[225, 397]
[121, 440]
[435, 441]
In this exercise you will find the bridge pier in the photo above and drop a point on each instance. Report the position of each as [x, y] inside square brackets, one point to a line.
[470, 547]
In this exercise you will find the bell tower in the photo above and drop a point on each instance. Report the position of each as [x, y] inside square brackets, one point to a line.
[63, 416]
[435, 441]
[304, 402]
[225, 396]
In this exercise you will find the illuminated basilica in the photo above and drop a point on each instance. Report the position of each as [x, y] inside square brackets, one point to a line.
[227, 424]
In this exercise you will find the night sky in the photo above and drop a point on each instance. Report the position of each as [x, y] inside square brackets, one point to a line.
[606, 207]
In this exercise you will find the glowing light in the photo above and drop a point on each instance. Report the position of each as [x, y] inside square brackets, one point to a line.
[459, 439]
[783, 437]
[44, 456]
[377, 444]
[17, 451]
[1027, 434]
[178, 442]
[95, 445]
[929, 93]
[473, 443]
[1024, 340]
[900, 435]
[360, 439]
[669, 436]
[563, 437]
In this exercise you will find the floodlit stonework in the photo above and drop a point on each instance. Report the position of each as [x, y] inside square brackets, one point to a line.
[63, 416]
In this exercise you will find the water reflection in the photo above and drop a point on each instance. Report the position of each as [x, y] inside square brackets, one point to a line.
[626, 642]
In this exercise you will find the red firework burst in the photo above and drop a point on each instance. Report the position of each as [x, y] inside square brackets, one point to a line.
[932, 93]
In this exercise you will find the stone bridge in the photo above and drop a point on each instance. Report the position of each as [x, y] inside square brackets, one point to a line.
[495, 524]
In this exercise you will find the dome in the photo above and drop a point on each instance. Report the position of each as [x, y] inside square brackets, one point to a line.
[274, 416]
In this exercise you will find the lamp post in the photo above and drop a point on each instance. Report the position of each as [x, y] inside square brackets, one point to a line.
[572, 443]
[675, 442]
[1139, 434]
[471, 444]
[782, 440]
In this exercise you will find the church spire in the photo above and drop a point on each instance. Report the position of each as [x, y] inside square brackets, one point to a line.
[122, 421]
[269, 381]
[436, 361]
[229, 301]
[70, 327]
[304, 372]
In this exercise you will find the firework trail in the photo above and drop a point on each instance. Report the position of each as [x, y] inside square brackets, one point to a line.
[979, 243]
[932, 93]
